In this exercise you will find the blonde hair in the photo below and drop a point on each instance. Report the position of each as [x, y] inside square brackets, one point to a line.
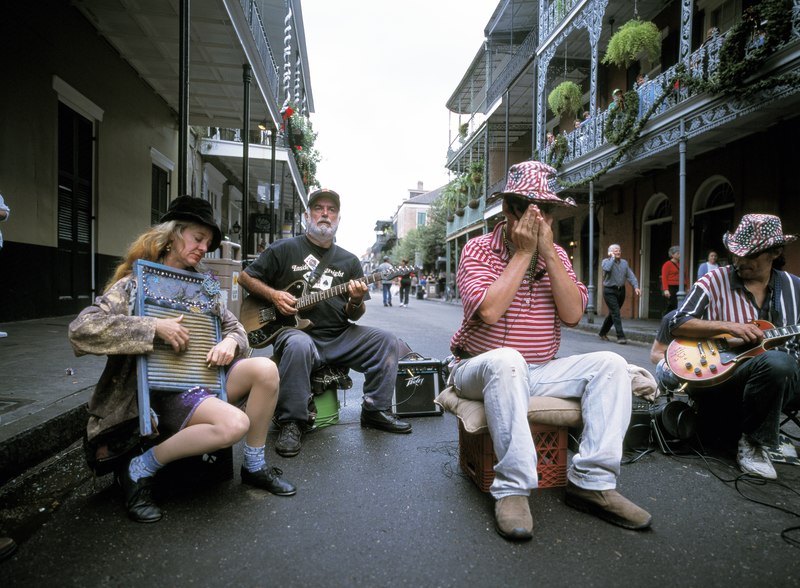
[150, 246]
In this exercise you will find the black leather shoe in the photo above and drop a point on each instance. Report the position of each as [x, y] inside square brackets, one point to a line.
[384, 421]
[288, 443]
[604, 337]
[139, 498]
[268, 479]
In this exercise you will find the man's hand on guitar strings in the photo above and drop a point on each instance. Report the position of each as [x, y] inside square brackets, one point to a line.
[284, 302]
[357, 289]
[747, 332]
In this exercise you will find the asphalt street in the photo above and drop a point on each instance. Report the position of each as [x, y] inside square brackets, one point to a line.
[375, 509]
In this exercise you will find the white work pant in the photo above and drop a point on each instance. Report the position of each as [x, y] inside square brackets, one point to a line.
[504, 382]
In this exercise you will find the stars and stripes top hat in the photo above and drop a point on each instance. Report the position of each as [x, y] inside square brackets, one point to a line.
[756, 233]
[529, 179]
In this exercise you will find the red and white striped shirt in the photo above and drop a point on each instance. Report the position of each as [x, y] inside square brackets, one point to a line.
[530, 325]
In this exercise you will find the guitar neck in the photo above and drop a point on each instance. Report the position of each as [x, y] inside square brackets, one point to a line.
[317, 297]
[781, 332]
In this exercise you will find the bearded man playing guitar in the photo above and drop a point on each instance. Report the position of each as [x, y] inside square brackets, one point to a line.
[331, 336]
[723, 333]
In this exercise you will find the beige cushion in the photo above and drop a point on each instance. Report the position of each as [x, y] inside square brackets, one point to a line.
[542, 410]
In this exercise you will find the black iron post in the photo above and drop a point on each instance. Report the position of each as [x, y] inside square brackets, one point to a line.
[183, 98]
[246, 160]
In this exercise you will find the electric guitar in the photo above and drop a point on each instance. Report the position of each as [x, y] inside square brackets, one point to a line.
[708, 362]
[263, 322]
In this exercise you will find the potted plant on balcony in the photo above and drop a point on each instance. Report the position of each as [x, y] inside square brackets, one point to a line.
[475, 173]
[565, 99]
[463, 130]
[633, 40]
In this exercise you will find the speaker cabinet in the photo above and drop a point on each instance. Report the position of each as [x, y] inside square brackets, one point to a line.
[418, 383]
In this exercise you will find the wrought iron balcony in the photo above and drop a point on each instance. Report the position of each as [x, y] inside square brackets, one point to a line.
[552, 16]
[701, 64]
[250, 9]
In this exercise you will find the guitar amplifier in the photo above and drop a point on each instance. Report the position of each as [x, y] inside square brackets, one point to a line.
[419, 381]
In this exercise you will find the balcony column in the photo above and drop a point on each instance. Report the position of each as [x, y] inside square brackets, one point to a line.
[273, 136]
[590, 308]
[682, 213]
[183, 98]
[246, 77]
[595, 28]
[685, 49]
[541, 82]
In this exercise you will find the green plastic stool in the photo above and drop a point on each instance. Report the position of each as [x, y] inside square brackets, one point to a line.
[327, 405]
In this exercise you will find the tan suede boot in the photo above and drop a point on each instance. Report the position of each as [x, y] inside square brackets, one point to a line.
[513, 518]
[609, 505]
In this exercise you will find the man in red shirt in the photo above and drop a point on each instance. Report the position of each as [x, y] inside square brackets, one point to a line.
[517, 287]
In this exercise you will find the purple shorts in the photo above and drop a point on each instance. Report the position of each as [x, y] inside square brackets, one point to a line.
[174, 409]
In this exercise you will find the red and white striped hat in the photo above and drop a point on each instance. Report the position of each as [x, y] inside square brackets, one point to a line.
[529, 179]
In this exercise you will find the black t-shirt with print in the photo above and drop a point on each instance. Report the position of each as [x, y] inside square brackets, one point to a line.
[289, 260]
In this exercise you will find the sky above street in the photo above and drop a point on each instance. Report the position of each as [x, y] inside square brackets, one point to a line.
[381, 73]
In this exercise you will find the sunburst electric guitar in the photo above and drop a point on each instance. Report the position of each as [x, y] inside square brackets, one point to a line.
[263, 322]
[708, 362]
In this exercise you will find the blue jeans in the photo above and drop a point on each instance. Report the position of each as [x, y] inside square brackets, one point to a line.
[504, 382]
[387, 294]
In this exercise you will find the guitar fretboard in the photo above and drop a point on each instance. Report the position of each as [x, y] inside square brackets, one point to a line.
[317, 297]
[782, 332]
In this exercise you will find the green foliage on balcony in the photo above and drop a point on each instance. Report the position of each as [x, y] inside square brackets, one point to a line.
[566, 99]
[301, 138]
[632, 40]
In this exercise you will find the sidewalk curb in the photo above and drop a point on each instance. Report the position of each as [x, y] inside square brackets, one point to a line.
[34, 445]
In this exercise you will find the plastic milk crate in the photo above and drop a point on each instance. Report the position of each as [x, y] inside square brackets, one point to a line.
[476, 456]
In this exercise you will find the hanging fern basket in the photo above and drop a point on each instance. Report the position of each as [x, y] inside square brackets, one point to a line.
[635, 39]
[565, 99]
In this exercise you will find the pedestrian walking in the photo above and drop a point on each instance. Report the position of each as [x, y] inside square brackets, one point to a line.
[405, 284]
[616, 272]
[670, 278]
[385, 268]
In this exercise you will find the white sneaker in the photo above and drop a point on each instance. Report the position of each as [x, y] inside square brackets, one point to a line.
[3, 334]
[754, 459]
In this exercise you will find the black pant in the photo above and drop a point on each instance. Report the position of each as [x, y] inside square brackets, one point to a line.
[615, 298]
[672, 301]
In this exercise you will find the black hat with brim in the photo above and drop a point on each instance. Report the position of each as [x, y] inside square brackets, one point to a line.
[196, 210]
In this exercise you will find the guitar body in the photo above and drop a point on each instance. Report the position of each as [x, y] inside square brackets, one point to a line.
[264, 323]
[709, 362]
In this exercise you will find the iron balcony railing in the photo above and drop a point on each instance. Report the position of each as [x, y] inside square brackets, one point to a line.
[513, 68]
[250, 9]
[553, 15]
[702, 64]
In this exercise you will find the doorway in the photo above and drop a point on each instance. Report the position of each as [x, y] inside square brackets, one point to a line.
[73, 266]
[657, 239]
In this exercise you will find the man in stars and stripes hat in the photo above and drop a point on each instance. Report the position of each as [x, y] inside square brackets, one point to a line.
[517, 288]
[743, 399]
